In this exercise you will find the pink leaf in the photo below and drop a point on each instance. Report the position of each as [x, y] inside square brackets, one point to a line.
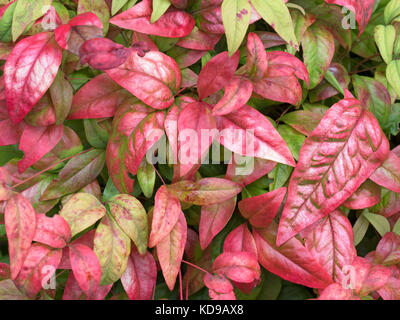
[261, 210]
[20, 222]
[86, 268]
[213, 219]
[291, 261]
[388, 174]
[367, 195]
[236, 94]
[154, 78]
[140, 276]
[29, 72]
[170, 251]
[172, 24]
[332, 244]
[248, 132]
[167, 210]
[388, 250]
[44, 138]
[216, 73]
[240, 240]
[256, 62]
[347, 146]
[54, 232]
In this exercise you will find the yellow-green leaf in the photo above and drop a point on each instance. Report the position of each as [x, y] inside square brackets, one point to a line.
[277, 15]
[393, 75]
[159, 8]
[236, 17]
[384, 38]
[380, 223]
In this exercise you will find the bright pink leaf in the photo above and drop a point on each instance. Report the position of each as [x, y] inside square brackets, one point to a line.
[388, 250]
[256, 63]
[29, 72]
[248, 132]
[332, 244]
[261, 210]
[291, 261]
[20, 222]
[38, 268]
[172, 24]
[217, 73]
[154, 78]
[218, 283]
[86, 268]
[336, 292]
[388, 174]
[170, 251]
[44, 138]
[139, 278]
[367, 195]
[54, 232]
[237, 266]
[167, 210]
[236, 94]
[213, 219]
[347, 146]
[240, 240]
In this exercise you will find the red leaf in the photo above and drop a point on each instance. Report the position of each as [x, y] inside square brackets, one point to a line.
[20, 222]
[347, 146]
[362, 9]
[367, 277]
[256, 63]
[167, 210]
[29, 72]
[54, 232]
[240, 240]
[216, 73]
[332, 244]
[367, 195]
[83, 27]
[194, 122]
[86, 268]
[207, 191]
[247, 175]
[170, 251]
[154, 78]
[44, 138]
[145, 135]
[73, 291]
[213, 219]
[248, 132]
[40, 264]
[388, 250]
[99, 98]
[103, 53]
[172, 24]
[291, 261]
[237, 266]
[199, 40]
[217, 283]
[279, 83]
[391, 289]
[236, 94]
[261, 210]
[388, 174]
[336, 292]
[140, 276]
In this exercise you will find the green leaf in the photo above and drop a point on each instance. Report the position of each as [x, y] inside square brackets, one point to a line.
[117, 5]
[272, 285]
[81, 211]
[6, 23]
[396, 227]
[359, 229]
[95, 134]
[380, 223]
[277, 15]
[146, 177]
[293, 139]
[109, 191]
[112, 246]
[318, 50]
[330, 77]
[235, 17]
[77, 173]
[280, 174]
[159, 8]
[99, 8]
[393, 75]
[392, 10]
[131, 218]
[26, 12]
[384, 38]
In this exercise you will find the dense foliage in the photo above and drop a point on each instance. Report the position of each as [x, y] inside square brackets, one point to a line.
[199, 149]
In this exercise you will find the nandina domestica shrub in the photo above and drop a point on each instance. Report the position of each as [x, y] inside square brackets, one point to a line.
[200, 149]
